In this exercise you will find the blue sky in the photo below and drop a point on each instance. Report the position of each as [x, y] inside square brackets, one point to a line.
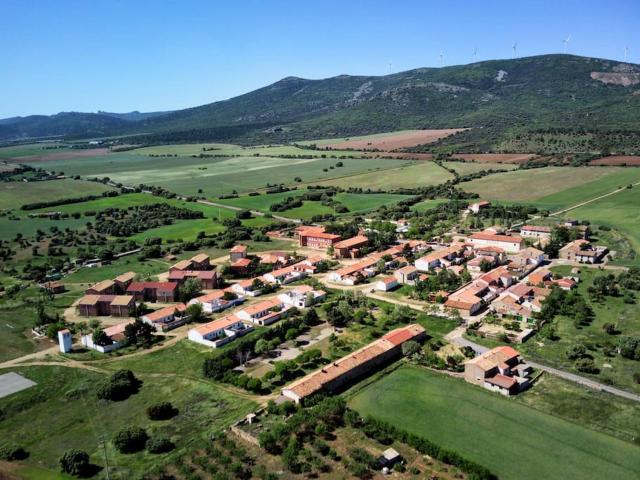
[149, 55]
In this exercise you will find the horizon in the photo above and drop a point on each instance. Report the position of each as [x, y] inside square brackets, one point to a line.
[122, 58]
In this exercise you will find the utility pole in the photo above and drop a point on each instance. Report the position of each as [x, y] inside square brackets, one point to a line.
[106, 459]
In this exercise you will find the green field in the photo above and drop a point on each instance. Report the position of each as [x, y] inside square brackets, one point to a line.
[29, 149]
[466, 168]
[418, 174]
[621, 212]
[28, 227]
[181, 230]
[238, 150]
[214, 176]
[63, 412]
[428, 204]
[357, 203]
[16, 194]
[513, 441]
[552, 187]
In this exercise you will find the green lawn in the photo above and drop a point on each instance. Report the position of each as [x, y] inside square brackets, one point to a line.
[63, 412]
[614, 370]
[621, 212]
[405, 175]
[513, 441]
[16, 194]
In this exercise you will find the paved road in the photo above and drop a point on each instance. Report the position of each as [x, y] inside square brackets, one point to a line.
[456, 337]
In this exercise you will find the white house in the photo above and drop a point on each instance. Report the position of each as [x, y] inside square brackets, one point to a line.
[406, 275]
[509, 243]
[387, 283]
[264, 313]
[215, 301]
[302, 296]
[167, 318]
[251, 287]
[219, 332]
[285, 275]
[115, 333]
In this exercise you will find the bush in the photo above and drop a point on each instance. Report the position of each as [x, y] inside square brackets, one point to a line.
[120, 386]
[160, 445]
[12, 452]
[130, 440]
[161, 411]
[586, 365]
[75, 462]
[576, 351]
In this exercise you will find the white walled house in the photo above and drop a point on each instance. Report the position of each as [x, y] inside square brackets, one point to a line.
[219, 332]
[215, 301]
[251, 287]
[302, 296]
[115, 333]
[264, 313]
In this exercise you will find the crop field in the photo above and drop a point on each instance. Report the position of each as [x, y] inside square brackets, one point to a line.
[216, 176]
[29, 149]
[16, 194]
[512, 440]
[552, 187]
[515, 158]
[231, 150]
[28, 227]
[386, 141]
[466, 168]
[631, 160]
[415, 175]
[621, 212]
[68, 415]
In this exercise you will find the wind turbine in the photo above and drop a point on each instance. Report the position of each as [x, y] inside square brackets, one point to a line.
[389, 68]
[475, 53]
[626, 52]
[441, 59]
[566, 43]
[515, 48]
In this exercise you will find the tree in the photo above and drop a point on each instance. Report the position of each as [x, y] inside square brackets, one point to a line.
[162, 411]
[130, 439]
[99, 337]
[120, 386]
[410, 348]
[12, 452]
[629, 347]
[139, 332]
[75, 462]
[261, 347]
[310, 317]
[191, 288]
[194, 312]
[160, 445]
[576, 351]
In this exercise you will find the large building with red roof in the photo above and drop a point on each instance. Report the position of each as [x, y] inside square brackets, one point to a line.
[343, 372]
[316, 237]
[500, 369]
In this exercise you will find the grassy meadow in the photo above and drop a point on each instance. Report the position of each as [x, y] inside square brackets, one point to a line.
[552, 187]
[407, 175]
[16, 194]
[621, 212]
[466, 168]
[63, 412]
[513, 441]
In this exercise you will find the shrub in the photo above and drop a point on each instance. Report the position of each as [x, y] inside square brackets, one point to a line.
[161, 411]
[586, 365]
[75, 462]
[130, 439]
[576, 351]
[11, 452]
[120, 386]
[160, 445]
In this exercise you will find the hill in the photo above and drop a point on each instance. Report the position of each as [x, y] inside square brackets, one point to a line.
[499, 95]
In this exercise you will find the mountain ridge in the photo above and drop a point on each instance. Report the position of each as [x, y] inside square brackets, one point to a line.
[540, 91]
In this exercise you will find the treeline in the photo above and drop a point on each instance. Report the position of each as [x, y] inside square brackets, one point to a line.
[67, 201]
[126, 222]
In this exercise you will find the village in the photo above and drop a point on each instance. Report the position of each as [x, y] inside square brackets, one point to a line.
[491, 282]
